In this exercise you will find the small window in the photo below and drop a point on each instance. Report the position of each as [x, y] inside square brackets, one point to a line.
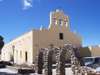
[61, 37]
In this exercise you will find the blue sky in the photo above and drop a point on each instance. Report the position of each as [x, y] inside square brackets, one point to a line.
[17, 18]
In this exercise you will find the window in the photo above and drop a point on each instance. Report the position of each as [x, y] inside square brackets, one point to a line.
[61, 36]
[12, 56]
[26, 56]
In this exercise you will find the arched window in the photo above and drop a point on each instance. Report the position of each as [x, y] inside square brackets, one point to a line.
[60, 22]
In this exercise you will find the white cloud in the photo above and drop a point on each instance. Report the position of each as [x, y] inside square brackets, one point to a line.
[27, 4]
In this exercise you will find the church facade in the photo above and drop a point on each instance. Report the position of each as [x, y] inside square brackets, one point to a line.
[24, 49]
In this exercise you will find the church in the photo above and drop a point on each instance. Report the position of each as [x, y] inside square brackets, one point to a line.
[24, 49]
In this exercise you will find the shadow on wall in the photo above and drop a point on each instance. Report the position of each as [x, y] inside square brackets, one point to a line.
[85, 52]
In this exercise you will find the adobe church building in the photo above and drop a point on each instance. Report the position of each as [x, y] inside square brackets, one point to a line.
[90, 51]
[25, 48]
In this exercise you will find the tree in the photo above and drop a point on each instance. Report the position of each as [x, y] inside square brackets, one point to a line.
[1, 43]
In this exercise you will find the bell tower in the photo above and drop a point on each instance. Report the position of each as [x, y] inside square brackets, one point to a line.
[59, 19]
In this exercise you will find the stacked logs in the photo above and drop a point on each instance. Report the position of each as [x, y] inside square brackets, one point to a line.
[45, 61]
